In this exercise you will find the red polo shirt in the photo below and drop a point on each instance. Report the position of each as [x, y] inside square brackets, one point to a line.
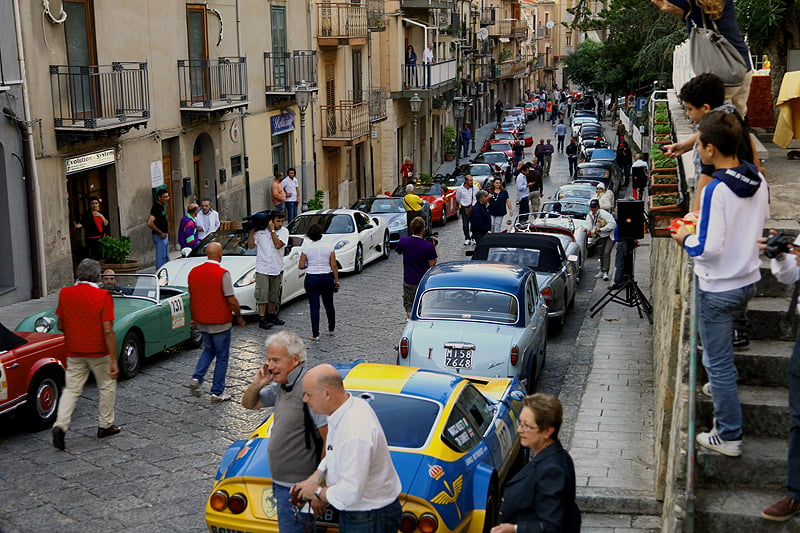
[82, 309]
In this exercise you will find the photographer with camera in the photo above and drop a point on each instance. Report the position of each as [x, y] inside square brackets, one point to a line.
[268, 236]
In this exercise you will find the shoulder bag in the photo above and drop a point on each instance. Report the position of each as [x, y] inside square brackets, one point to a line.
[711, 52]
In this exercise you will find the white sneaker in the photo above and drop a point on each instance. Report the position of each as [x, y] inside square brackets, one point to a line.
[472, 242]
[220, 398]
[466, 242]
[707, 389]
[712, 441]
[598, 275]
[605, 276]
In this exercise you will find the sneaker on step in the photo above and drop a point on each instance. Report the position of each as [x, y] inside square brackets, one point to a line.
[707, 389]
[598, 275]
[466, 242]
[605, 276]
[739, 338]
[220, 397]
[712, 441]
[782, 510]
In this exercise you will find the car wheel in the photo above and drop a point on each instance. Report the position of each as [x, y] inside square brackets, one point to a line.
[385, 251]
[130, 355]
[43, 395]
[555, 325]
[195, 339]
[444, 216]
[358, 266]
[490, 518]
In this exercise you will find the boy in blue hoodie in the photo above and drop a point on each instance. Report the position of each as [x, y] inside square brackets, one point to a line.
[734, 207]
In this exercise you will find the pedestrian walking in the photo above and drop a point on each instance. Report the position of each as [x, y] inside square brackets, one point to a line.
[518, 152]
[86, 316]
[322, 278]
[187, 228]
[535, 188]
[498, 110]
[159, 226]
[523, 193]
[538, 153]
[213, 304]
[547, 151]
[499, 205]
[466, 135]
[639, 176]
[479, 218]
[624, 160]
[207, 219]
[292, 189]
[572, 157]
[277, 192]
[602, 224]
[95, 227]
[359, 477]
[418, 256]
[561, 133]
[407, 171]
[297, 435]
[269, 245]
[413, 204]
[466, 199]
[733, 209]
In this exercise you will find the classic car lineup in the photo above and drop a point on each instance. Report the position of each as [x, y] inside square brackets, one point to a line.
[392, 210]
[441, 197]
[453, 441]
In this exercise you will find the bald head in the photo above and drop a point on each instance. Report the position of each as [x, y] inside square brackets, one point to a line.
[192, 208]
[214, 251]
[324, 389]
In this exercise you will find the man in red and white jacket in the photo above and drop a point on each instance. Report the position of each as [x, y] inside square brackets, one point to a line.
[212, 302]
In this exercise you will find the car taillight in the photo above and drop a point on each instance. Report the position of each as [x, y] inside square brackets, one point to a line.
[408, 522]
[428, 523]
[547, 292]
[237, 503]
[404, 347]
[514, 355]
[219, 500]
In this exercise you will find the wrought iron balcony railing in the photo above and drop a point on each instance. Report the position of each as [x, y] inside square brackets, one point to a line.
[487, 16]
[377, 104]
[212, 84]
[502, 28]
[98, 97]
[426, 4]
[341, 22]
[345, 122]
[482, 71]
[519, 30]
[511, 69]
[428, 76]
[284, 71]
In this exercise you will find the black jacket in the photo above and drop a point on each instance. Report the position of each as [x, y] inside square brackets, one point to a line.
[541, 497]
[479, 219]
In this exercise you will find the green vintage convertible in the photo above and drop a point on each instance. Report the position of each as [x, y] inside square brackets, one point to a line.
[148, 319]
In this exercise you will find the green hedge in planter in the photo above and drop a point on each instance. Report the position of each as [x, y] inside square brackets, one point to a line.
[661, 129]
[660, 160]
[660, 200]
[664, 180]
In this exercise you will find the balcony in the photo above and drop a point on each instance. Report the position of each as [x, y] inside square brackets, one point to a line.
[512, 69]
[98, 100]
[342, 23]
[285, 70]
[424, 77]
[377, 105]
[487, 16]
[345, 124]
[519, 31]
[376, 15]
[211, 87]
[482, 72]
[502, 29]
[426, 4]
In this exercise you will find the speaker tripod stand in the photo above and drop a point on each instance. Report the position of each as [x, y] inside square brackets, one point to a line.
[633, 295]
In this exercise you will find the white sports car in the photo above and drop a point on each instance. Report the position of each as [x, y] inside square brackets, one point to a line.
[356, 237]
[241, 263]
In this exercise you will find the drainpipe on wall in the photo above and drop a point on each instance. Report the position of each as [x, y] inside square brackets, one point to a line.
[315, 185]
[242, 115]
[38, 267]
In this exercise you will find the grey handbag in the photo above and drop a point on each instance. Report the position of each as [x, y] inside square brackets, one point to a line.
[711, 52]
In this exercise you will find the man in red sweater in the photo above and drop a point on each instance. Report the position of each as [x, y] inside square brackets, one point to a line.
[212, 302]
[86, 316]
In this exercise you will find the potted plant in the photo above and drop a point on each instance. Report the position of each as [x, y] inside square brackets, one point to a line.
[666, 202]
[316, 202]
[661, 129]
[115, 255]
[449, 143]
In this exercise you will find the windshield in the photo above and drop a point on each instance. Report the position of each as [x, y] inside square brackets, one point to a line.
[592, 172]
[380, 205]
[494, 158]
[500, 147]
[124, 285]
[330, 223]
[233, 242]
[480, 170]
[572, 209]
[503, 136]
[454, 181]
[575, 192]
[406, 421]
[469, 304]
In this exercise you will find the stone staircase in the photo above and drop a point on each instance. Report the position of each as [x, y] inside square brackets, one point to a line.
[731, 492]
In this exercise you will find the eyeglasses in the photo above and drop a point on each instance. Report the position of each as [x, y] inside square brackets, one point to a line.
[525, 427]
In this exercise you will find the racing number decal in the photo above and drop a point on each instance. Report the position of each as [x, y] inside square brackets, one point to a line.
[3, 383]
[177, 312]
[504, 438]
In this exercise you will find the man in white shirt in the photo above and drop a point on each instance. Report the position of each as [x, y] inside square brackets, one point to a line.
[291, 187]
[269, 245]
[427, 60]
[523, 194]
[357, 471]
[466, 198]
[207, 219]
[603, 225]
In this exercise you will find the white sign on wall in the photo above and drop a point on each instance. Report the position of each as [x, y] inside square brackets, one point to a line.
[156, 174]
[87, 161]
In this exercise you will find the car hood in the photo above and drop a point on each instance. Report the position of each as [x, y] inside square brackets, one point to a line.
[389, 217]
[492, 342]
[178, 269]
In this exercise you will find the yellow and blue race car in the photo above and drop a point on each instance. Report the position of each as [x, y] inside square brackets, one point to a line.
[453, 440]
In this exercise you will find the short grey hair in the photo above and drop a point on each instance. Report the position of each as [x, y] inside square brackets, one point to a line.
[481, 194]
[410, 187]
[294, 345]
[88, 270]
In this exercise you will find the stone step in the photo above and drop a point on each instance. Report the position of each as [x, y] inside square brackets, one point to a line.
[762, 465]
[765, 411]
[763, 363]
[769, 286]
[768, 319]
[738, 510]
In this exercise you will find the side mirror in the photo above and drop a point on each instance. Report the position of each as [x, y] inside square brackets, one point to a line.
[367, 226]
[186, 251]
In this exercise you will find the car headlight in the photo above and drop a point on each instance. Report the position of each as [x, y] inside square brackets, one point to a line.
[341, 244]
[397, 223]
[44, 324]
[163, 277]
[248, 279]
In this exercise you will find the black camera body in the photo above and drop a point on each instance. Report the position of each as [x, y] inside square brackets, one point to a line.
[259, 221]
[777, 244]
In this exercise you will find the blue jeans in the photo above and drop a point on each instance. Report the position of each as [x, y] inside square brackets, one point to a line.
[291, 211]
[288, 521]
[793, 476]
[320, 286]
[383, 520]
[465, 144]
[217, 346]
[162, 250]
[464, 222]
[714, 318]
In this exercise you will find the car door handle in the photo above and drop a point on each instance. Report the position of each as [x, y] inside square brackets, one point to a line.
[15, 365]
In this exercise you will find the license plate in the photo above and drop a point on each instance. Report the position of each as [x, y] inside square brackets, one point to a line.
[458, 357]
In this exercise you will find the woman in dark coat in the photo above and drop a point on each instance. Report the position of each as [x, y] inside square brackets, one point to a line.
[541, 496]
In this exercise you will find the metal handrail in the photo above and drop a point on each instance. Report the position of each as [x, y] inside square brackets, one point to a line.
[690, 449]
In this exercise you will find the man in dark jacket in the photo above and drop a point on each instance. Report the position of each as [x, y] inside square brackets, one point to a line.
[479, 218]
[572, 157]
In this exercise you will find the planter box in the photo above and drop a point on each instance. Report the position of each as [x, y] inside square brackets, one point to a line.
[663, 188]
[659, 224]
[449, 157]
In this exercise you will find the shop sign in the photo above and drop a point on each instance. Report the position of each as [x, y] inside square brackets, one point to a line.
[283, 123]
[87, 161]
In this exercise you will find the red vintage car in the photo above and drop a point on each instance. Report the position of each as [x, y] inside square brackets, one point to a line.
[441, 197]
[31, 374]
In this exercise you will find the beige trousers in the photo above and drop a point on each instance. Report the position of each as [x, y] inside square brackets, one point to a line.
[738, 95]
[78, 369]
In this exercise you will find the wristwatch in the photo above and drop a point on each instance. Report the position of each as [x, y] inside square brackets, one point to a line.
[318, 493]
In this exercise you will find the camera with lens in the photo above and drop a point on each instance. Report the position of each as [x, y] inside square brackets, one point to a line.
[777, 244]
[259, 221]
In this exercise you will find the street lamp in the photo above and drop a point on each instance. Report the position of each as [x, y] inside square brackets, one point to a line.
[303, 96]
[473, 92]
[415, 101]
[458, 113]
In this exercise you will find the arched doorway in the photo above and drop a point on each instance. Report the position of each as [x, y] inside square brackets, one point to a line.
[204, 183]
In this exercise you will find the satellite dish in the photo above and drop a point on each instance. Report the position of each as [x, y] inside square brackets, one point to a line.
[550, 24]
[482, 34]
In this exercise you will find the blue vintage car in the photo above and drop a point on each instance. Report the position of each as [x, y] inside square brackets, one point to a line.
[453, 441]
[478, 318]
